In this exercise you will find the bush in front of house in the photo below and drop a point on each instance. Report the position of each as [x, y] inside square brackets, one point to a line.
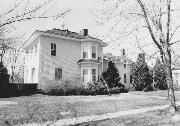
[66, 88]
[141, 75]
[111, 76]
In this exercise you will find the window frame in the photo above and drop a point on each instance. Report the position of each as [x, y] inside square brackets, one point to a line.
[56, 74]
[85, 51]
[85, 76]
[125, 64]
[53, 49]
[95, 75]
[94, 53]
[125, 78]
[33, 72]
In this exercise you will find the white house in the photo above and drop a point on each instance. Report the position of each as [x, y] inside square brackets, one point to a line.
[62, 55]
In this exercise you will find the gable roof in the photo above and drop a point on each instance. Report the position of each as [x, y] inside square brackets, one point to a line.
[118, 59]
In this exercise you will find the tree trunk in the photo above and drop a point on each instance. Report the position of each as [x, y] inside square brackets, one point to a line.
[170, 80]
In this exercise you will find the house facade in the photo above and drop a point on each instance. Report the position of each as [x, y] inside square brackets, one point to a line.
[56, 54]
[124, 66]
[176, 76]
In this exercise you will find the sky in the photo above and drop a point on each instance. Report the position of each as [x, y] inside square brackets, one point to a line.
[82, 16]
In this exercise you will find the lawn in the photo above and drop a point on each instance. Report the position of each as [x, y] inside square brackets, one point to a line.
[41, 108]
[153, 118]
[160, 93]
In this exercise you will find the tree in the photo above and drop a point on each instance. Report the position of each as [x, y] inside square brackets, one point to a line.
[141, 75]
[10, 47]
[159, 74]
[149, 16]
[111, 76]
[23, 11]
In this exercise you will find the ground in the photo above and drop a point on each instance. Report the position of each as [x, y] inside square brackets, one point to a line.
[41, 108]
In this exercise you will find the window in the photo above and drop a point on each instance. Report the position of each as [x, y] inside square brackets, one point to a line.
[124, 78]
[124, 52]
[93, 75]
[33, 75]
[53, 49]
[58, 73]
[85, 75]
[131, 79]
[94, 52]
[124, 63]
[85, 52]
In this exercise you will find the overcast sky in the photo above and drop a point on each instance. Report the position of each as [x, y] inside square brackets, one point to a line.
[81, 16]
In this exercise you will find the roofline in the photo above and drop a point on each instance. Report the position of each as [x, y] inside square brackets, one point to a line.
[40, 33]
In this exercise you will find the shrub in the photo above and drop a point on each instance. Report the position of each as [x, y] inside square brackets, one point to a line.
[141, 74]
[159, 71]
[111, 76]
[65, 88]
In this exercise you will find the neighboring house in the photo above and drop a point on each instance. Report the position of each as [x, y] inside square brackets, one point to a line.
[62, 55]
[176, 71]
[176, 76]
[123, 64]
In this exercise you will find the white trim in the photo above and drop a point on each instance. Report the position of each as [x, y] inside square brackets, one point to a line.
[89, 73]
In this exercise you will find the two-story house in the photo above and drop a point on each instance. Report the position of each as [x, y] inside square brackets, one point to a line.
[56, 54]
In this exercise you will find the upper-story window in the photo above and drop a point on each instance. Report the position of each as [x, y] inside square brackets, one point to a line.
[124, 63]
[89, 52]
[53, 49]
[94, 52]
[85, 51]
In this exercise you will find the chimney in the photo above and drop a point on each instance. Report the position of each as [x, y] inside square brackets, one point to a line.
[123, 53]
[84, 32]
[67, 31]
[141, 56]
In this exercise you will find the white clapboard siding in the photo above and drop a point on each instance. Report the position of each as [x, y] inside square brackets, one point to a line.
[122, 71]
[68, 53]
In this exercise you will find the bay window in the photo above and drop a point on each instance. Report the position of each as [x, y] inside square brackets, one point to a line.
[85, 75]
[93, 75]
[85, 52]
[89, 74]
[94, 52]
[89, 52]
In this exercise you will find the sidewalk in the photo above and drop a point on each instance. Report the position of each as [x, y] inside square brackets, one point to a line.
[84, 119]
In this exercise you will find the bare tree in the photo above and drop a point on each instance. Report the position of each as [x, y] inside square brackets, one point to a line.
[151, 16]
[23, 11]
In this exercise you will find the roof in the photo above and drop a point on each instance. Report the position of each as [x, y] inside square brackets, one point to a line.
[69, 34]
[118, 59]
[66, 34]
[88, 61]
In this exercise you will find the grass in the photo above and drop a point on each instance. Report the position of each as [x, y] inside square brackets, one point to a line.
[160, 93]
[41, 108]
[153, 118]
